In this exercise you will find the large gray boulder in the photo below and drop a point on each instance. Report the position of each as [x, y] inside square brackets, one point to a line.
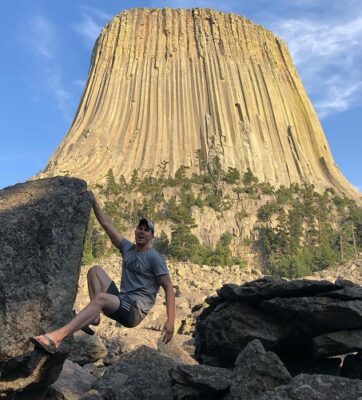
[257, 371]
[139, 374]
[301, 321]
[316, 315]
[42, 229]
[72, 383]
[268, 287]
[200, 382]
[341, 342]
[224, 332]
[86, 349]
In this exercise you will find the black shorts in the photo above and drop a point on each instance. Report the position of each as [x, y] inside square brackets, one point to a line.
[127, 314]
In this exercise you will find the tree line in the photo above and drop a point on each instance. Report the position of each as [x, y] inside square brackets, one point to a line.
[298, 232]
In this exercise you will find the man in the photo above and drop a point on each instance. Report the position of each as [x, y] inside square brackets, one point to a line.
[143, 272]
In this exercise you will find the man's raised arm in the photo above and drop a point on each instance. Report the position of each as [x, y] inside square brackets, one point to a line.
[106, 223]
[168, 329]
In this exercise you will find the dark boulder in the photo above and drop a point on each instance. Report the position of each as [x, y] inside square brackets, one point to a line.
[266, 288]
[257, 371]
[303, 321]
[315, 315]
[200, 382]
[224, 332]
[42, 229]
[335, 343]
[139, 374]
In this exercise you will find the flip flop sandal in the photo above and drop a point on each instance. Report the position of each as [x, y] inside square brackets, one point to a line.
[50, 348]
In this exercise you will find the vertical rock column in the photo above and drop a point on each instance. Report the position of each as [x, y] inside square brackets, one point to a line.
[165, 83]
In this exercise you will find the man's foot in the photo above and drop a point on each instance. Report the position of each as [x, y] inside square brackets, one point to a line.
[46, 343]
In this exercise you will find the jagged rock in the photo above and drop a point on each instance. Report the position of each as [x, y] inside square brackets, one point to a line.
[312, 327]
[42, 228]
[317, 387]
[249, 108]
[257, 371]
[71, 384]
[335, 343]
[86, 349]
[140, 374]
[224, 332]
[352, 366]
[316, 315]
[266, 288]
[200, 382]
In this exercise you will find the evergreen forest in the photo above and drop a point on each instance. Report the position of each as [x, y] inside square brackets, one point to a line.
[298, 230]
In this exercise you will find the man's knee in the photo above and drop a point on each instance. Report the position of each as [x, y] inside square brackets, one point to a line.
[101, 299]
[94, 270]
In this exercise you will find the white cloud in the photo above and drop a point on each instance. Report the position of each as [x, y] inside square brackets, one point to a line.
[53, 84]
[79, 82]
[339, 96]
[40, 37]
[91, 24]
[328, 55]
[39, 34]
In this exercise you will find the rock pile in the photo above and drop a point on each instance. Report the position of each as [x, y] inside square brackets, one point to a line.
[305, 322]
[258, 363]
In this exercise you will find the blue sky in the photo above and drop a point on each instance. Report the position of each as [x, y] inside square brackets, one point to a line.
[45, 49]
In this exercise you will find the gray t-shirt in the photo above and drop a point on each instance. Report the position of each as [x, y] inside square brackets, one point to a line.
[139, 274]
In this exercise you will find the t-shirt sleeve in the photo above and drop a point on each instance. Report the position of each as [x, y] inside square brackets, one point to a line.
[124, 245]
[159, 265]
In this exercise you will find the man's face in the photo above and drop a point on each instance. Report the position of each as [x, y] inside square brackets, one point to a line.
[143, 235]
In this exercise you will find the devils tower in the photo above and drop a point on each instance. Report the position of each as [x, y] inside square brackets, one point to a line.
[165, 84]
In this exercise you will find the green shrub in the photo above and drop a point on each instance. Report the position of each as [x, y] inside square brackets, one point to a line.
[161, 244]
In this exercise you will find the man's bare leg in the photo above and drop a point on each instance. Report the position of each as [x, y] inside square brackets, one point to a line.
[98, 281]
[105, 302]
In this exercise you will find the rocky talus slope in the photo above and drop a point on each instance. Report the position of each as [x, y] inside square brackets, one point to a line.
[165, 83]
[138, 365]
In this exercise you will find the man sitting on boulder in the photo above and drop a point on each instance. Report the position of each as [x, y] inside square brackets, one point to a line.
[143, 272]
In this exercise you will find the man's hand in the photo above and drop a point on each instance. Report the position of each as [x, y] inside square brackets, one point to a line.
[167, 332]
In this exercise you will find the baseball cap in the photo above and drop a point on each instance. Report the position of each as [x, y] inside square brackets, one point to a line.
[148, 223]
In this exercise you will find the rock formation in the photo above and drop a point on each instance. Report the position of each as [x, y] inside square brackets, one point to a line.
[138, 367]
[304, 322]
[166, 83]
[42, 228]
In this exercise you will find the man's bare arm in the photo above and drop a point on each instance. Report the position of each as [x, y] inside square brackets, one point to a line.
[107, 224]
[169, 327]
